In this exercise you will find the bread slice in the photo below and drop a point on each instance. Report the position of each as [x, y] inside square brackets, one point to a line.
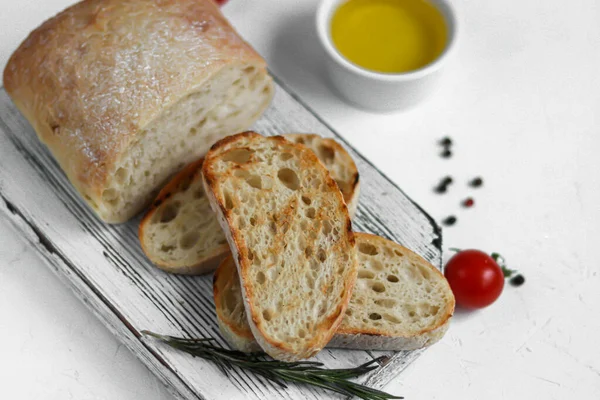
[229, 304]
[340, 164]
[291, 238]
[126, 92]
[399, 302]
[180, 233]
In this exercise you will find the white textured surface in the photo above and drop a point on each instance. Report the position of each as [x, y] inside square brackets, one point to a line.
[521, 101]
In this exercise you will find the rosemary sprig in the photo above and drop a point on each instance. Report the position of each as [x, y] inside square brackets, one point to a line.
[304, 372]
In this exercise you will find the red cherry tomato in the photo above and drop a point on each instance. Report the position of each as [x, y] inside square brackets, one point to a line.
[475, 278]
[220, 2]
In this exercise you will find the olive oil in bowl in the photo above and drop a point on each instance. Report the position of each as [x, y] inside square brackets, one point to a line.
[389, 36]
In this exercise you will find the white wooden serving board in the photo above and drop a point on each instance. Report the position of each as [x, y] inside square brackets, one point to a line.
[105, 267]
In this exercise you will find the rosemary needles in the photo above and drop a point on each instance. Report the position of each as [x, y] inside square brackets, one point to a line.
[304, 372]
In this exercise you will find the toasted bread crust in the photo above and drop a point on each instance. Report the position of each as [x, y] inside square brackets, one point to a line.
[327, 326]
[374, 341]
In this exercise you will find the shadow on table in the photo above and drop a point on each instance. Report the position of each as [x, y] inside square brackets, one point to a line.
[463, 314]
[298, 58]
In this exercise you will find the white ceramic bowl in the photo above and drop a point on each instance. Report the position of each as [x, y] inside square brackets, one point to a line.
[380, 91]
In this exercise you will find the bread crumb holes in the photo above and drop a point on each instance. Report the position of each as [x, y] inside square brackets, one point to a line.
[365, 274]
[121, 175]
[288, 178]
[189, 240]
[321, 255]
[169, 213]
[368, 249]
[378, 287]
[374, 316]
[254, 181]
[327, 227]
[267, 315]
[326, 153]
[387, 303]
[238, 156]
[228, 200]
[391, 318]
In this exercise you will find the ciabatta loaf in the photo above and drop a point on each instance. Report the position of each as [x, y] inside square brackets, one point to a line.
[399, 302]
[181, 234]
[126, 92]
[290, 235]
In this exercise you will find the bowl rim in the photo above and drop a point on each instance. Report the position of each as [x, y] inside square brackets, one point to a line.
[323, 23]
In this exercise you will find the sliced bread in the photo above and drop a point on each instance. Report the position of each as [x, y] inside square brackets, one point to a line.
[291, 239]
[340, 164]
[399, 302]
[180, 233]
[231, 315]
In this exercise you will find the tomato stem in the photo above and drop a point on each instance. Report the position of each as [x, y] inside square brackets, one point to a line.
[516, 279]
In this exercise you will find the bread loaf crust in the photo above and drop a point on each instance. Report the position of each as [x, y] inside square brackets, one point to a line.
[91, 78]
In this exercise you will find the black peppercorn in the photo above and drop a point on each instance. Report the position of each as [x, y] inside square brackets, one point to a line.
[517, 280]
[477, 182]
[442, 187]
[446, 142]
[449, 221]
[446, 153]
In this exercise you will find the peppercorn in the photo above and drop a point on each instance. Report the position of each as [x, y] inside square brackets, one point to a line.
[517, 280]
[446, 142]
[442, 187]
[477, 182]
[449, 221]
